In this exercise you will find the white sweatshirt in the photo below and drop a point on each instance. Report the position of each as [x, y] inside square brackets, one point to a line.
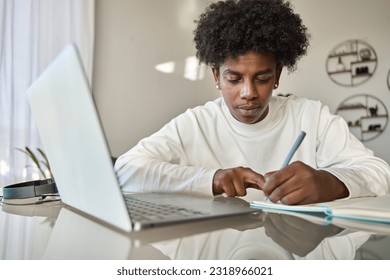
[185, 154]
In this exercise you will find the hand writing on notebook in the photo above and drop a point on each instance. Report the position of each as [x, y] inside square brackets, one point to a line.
[296, 183]
[299, 183]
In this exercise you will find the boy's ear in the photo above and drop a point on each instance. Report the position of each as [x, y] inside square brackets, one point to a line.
[278, 73]
[215, 74]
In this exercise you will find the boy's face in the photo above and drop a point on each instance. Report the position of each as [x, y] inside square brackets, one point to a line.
[247, 83]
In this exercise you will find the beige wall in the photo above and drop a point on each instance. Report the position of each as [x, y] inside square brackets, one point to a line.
[133, 36]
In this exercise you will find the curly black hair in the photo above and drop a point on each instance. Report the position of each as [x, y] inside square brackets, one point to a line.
[233, 27]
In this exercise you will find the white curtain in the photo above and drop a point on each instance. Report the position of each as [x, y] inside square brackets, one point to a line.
[32, 33]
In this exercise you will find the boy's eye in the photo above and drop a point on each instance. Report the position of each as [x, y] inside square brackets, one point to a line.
[263, 79]
[233, 79]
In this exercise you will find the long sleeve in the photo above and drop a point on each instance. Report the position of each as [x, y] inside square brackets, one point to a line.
[343, 155]
[159, 163]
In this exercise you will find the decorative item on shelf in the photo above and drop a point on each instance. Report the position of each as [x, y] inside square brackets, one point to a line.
[361, 70]
[357, 122]
[374, 110]
[340, 65]
[351, 63]
[365, 115]
[374, 127]
[365, 54]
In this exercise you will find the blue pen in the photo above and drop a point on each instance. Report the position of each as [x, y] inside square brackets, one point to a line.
[292, 151]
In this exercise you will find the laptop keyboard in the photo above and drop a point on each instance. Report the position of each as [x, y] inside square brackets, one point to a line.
[141, 211]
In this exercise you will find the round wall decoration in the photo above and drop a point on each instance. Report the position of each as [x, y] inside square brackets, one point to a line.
[365, 114]
[388, 79]
[351, 63]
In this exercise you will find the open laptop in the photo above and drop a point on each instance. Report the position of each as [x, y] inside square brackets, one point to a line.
[64, 112]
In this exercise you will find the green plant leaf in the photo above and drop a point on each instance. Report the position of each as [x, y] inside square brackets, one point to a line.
[45, 161]
[44, 156]
[34, 158]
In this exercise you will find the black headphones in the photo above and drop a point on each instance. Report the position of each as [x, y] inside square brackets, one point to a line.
[30, 189]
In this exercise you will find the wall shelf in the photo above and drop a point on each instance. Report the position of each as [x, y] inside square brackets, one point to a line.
[374, 117]
[366, 116]
[339, 72]
[372, 131]
[351, 63]
[361, 75]
[363, 61]
[342, 54]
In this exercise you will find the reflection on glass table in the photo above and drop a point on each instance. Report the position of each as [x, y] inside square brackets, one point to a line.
[280, 237]
[58, 232]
